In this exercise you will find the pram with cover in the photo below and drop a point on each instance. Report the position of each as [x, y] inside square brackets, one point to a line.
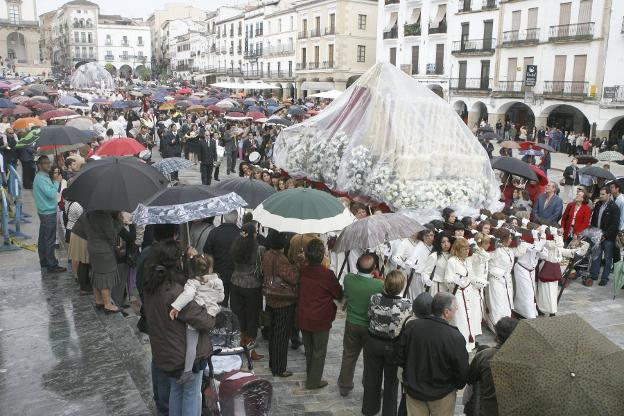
[227, 389]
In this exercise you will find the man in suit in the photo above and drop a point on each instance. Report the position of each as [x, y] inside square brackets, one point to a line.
[207, 158]
[229, 142]
[606, 216]
[171, 146]
[219, 245]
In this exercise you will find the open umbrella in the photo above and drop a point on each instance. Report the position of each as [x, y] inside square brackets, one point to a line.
[183, 91]
[551, 366]
[253, 191]
[215, 109]
[278, 122]
[169, 105]
[531, 152]
[546, 147]
[372, 231]
[54, 114]
[225, 104]
[115, 184]
[172, 164]
[302, 211]
[119, 105]
[297, 111]
[81, 123]
[124, 146]
[4, 103]
[234, 115]
[68, 100]
[529, 146]
[195, 108]
[610, 156]
[255, 115]
[63, 135]
[486, 129]
[508, 144]
[585, 159]
[43, 107]
[27, 122]
[180, 204]
[596, 172]
[18, 110]
[541, 176]
[514, 166]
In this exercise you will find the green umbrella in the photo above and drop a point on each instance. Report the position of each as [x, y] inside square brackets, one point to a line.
[29, 139]
[618, 277]
[302, 211]
[558, 366]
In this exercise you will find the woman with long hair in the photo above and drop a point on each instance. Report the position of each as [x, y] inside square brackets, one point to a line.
[435, 265]
[246, 289]
[458, 280]
[162, 283]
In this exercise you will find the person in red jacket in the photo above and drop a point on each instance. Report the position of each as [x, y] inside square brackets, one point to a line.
[316, 310]
[576, 216]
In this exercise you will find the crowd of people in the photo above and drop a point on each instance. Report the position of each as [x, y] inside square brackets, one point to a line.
[414, 307]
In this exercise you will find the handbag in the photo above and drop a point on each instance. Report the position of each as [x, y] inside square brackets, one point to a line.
[549, 272]
[274, 287]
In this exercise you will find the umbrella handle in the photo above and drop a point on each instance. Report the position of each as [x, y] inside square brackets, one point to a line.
[343, 264]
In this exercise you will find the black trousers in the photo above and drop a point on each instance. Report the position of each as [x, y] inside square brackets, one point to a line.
[378, 368]
[28, 174]
[206, 172]
[231, 160]
[282, 320]
[216, 172]
[246, 303]
[226, 294]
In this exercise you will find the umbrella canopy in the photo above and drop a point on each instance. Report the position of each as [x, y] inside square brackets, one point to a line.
[297, 111]
[302, 211]
[531, 152]
[372, 231]
[119, 105]
[124, 146]
[610, 156]
[541, 176]
[4, 103]
[180, 204]
[215, 109]
[183, 91]
[234, 115]
[18, 110]
[486, 129]
[196, 108]
[225, 104]
[169, 105]
[278, 122]
[81, 123]
[514, 166]
[43, 107]
[18, 99]
[596, 172]
[508, 144]
[255, 115]
[546, 147]
[27, 122]
[68, 100]
[63, 135]
[251, 190]
[63, 112]
[551, 366]
[29, 139]
[529, 146]
[115, 184]
[172, 164]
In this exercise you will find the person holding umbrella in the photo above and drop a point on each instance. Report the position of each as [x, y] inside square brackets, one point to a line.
[170, 146]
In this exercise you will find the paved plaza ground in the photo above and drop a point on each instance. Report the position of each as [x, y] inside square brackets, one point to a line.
[59, 356]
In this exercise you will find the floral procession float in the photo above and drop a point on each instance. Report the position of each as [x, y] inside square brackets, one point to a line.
[389, 139]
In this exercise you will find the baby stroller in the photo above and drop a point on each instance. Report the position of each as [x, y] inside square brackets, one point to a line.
[589, 245]
[227, 389]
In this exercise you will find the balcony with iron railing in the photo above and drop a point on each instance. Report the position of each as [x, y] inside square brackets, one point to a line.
[411, 29]
[259, 32]
[281, 74]
[464, 6]
[571, 33]
[280, 51]
[302, 35]
[301, 66]
[252, 73]
[489, 5]
[315, 33]
[330, 30]
[440, 29]
[126, 57]
[253, 54]
[313, 65]
[565, 89]
[109, 57]
[433, 69]
[468, 85]
[231, 50]
[473, 47]
[392, 33]
[513, 38]
[512, 89]
[388, 2]
[234, 71]
[328, 65]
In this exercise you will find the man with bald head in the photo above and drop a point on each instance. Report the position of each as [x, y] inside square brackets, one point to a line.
[358, 289]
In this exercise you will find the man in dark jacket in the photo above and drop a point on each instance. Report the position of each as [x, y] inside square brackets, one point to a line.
[433, 355]
[170, 146]
[606, 216]
[26, 156]
[483, 400]
[218, 245]
[207, 158]
[231, 148]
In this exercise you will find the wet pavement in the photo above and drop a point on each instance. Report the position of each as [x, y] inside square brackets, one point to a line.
[59, 356]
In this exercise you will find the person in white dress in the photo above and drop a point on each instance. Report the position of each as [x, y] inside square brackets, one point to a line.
[549, 273]
[499, 292]
[478, 269]
[457, 277]
[524, 278]
[434, 271]
[410, 254]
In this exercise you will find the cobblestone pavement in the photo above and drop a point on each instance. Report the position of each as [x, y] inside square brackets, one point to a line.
[59, 356]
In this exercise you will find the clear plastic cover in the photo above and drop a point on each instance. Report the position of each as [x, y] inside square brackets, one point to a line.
[392, 139]
[92, 75]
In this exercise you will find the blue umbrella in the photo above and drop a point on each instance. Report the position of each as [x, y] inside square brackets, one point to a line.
[159, 98]
[119, 105]
[209, 101]
[249, 101]
[272, 102]
[257, 108]
[297, 111]
[4, 103]
[274, 108]
[68, 100]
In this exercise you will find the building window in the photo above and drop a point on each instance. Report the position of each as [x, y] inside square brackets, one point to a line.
[140, 54]
[108, 40]
[361, 53]
[140, 41]
[393, 52]
[77, 52]
[91, 52]
[76, 37]
[83, 37]
[124, 40]
[14, 12]
[362, 21]
[279, 26]
[292, 23]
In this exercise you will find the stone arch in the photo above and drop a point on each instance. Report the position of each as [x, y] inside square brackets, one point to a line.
[436, 89]
[16, 47]
[615, 127]
[142, 72]
[125, 71]
[112, 69]
[518, 113]
[480, 111]
[566, 117]
[462, 109]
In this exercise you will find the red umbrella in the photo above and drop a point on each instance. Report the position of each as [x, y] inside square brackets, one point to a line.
[43, 107]
[529, 145]
[63, 112]
[19, 99]
[185, 91]
[214, 109]
[255, 115]
[18, 110]
[124, 146]
[543, 179]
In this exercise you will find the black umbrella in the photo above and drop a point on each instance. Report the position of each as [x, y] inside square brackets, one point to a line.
[490, 135]
[278, 122]
[597, 172]
[63, 136]
[546, 147]
[115, 184]
[297, 111]
[253, 191]
[486, 129]
[514, 166]
[182, 195]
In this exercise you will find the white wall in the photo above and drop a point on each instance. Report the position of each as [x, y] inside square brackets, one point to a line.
[117, 32]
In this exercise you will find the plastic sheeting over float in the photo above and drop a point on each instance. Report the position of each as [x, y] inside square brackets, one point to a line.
[92, 75]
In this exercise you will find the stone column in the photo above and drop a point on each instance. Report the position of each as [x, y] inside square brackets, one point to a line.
[541, 122]
[494, 117]
[473, 119]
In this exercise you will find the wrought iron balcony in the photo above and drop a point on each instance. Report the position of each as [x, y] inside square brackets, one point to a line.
[253, 54]
[565, 88]
[440, 29]
[109, 57]
[568, 33]
[613, 94]
[392, 33]
[433, 69]
[521, 37]
[328, 65]
[387, 2]
[252, 73]
[412, 29]
[313, 65]
[470, 84]
[315, 33]
[489, 5]
[509, 89]
[234, 71]
[301, 66]
[474, 47]
[302, 35]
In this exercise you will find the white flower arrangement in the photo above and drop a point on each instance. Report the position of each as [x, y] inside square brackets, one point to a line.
[357, 166]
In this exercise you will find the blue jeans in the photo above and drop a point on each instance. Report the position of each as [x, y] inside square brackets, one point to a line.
[47, 239]
[606, 247]
[185, 399]
[161, 388]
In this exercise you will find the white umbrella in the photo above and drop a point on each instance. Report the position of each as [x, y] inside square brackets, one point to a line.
[225, 104]
[610, 156]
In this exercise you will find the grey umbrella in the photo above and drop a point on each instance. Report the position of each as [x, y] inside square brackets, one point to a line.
[372, 231]
[610, 156]
[597, 172]
[546, 147]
